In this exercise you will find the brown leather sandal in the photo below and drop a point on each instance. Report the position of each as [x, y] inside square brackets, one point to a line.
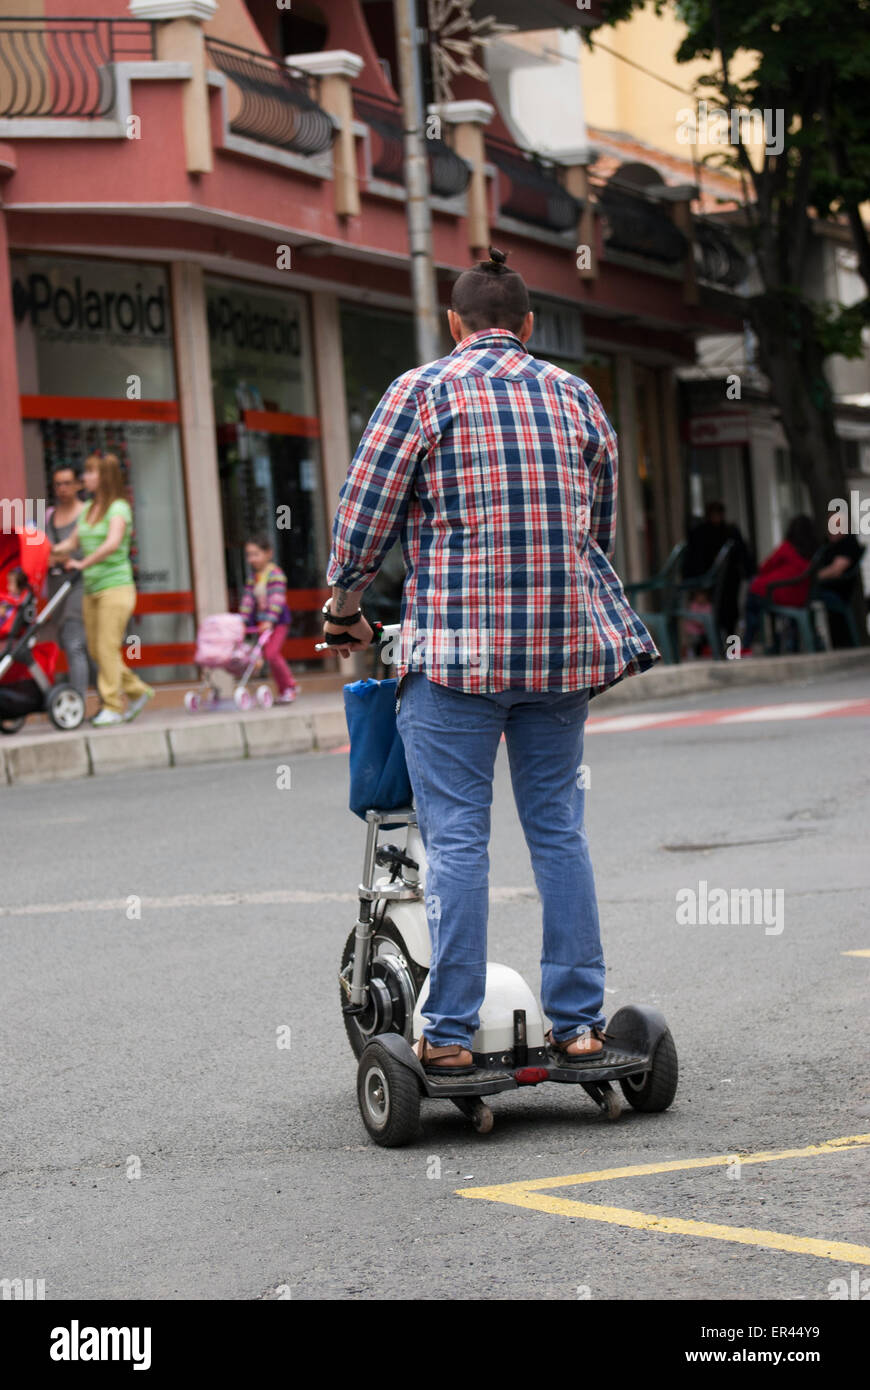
[587, 1053]
[451, 1060]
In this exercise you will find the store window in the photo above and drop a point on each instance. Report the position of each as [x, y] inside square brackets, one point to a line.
[97, 372]
[268, 443]
[378, 347]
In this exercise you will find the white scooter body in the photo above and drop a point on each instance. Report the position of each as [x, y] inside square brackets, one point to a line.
[506, 990]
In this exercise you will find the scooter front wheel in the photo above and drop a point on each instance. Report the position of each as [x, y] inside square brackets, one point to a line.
[394, 984]
[389, 1097]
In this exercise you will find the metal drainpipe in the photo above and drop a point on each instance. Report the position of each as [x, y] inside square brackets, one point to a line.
[423, 281]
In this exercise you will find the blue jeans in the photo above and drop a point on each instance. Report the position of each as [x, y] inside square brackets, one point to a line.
[451, 739]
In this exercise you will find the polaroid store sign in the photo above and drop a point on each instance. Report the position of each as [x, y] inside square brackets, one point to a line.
[257, 349]
[90, 323]
[82, 309]
[239, 324]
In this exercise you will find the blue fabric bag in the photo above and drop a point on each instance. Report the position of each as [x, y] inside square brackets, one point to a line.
[379, 778]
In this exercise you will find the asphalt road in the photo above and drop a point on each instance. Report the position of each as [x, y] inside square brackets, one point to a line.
[157, 1142]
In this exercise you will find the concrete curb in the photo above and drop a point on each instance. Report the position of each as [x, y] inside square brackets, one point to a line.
[694, 676]
[174, 739]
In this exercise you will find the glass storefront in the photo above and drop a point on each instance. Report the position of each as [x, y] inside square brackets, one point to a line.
[267, 437]
[97, 371]
[378, 347]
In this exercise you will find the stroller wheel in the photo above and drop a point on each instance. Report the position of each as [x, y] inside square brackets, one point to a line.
[11, 726]
[265, 698]
[192, 701]
[242, 697]
[65, 707]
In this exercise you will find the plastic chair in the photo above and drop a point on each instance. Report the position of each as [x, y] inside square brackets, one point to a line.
[710, 583]
[802, 618]
[657, 622]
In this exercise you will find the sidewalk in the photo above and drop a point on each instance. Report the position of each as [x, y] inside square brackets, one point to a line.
[173, 738]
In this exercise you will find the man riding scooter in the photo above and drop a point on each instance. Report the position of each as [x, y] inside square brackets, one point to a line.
[497, 472]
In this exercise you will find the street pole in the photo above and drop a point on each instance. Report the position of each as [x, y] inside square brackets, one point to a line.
[423, 281]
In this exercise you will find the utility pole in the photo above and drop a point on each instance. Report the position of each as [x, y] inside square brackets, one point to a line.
[423, 281]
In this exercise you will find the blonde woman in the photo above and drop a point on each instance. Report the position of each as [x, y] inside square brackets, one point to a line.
[103, 534]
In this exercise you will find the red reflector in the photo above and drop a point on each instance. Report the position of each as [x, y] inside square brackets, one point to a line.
[530, 1076]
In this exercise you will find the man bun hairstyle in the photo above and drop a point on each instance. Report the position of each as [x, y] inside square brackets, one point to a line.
[490, 295]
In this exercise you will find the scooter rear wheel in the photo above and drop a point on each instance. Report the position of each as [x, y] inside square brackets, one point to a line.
[389, 1098]
[654, 1090]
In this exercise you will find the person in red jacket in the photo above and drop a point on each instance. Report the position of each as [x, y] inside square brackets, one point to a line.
[789, 561]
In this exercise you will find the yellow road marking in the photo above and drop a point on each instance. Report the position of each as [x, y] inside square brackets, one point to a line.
[530, 1194]
[855, 953]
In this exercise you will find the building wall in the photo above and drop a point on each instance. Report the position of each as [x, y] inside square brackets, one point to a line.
[632, 82]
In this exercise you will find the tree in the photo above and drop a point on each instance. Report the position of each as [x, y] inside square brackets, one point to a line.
[811, 63]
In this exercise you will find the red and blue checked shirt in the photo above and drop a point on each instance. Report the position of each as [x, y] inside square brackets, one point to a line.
[498, 473]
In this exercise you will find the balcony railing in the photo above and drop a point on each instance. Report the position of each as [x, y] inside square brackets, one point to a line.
[448, 174]
[65, 67]
[639, 226]
[717, 258]
[269, 102]
[534, 193]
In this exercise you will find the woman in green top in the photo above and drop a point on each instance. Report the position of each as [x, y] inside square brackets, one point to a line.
[103, 534]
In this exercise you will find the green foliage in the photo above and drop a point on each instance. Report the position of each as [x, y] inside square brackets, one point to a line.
[838, 329]
[809, 60]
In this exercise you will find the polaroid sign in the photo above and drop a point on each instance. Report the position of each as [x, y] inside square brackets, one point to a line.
[253, 325]
[76, 306]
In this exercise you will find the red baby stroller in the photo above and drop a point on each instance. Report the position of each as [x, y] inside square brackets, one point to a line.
[27, 667]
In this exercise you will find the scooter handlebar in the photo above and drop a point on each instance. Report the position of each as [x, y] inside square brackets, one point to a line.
[381, 632]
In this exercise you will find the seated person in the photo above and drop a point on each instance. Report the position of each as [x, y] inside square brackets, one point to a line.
[789, 561]
[15, 588]
[703, 543]
[841, 553]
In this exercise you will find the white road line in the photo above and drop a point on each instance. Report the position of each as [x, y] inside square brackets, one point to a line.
[807, 710]
[270, 897]
[633, 721]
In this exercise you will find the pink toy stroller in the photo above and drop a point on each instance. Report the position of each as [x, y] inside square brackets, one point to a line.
[221, 646]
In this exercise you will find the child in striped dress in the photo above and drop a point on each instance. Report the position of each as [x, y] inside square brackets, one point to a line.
[264, 606]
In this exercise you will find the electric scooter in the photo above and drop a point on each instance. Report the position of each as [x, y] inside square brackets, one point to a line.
[384, 986]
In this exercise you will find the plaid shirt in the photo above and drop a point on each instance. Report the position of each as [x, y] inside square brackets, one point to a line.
[498, 473]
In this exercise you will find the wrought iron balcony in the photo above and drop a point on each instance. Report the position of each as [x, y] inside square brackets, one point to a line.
[64, 68]
[638, 225]
[534, 193]
[717, 258]
[448, 174]
[272, 104]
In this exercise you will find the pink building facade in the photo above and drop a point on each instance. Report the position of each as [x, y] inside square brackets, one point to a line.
[204, 267]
